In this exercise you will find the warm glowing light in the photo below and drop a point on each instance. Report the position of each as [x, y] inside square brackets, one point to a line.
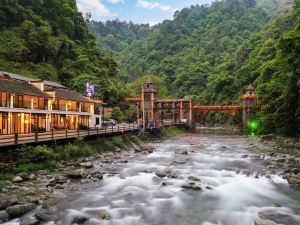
[26, 121]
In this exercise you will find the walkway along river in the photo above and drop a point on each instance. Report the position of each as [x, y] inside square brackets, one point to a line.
[190, 180]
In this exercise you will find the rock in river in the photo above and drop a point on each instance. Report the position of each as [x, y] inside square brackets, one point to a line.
[265, 222]
[75, 174]
[17, 179]
[79, 219]
[181, 152]
[294, 180]
[191, 186]
[28, 221]
[19, 210]
[44, 217]
[87, 165]
[3, 216]
[193, 178]
[6, 201]
[103, 215]
[161, 173]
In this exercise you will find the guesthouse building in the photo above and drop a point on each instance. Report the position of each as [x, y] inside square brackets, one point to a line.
[29, 105]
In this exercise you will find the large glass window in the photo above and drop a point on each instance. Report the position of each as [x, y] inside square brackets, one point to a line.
[27, 102]
[38, 122]
[58, 121]
[86, 107]
[4, 99]
[84, 121]
[72, 106]
[3, 123]
[18, 101]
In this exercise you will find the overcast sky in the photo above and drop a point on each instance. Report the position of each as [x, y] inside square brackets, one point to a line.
[138, 11]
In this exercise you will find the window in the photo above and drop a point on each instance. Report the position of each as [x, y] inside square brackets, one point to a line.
[3, 123]
[4, 99]
[18, 101]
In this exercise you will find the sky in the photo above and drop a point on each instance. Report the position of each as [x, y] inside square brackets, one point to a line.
[137, 11]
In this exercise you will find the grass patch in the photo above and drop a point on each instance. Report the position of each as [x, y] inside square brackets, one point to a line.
[32, 167]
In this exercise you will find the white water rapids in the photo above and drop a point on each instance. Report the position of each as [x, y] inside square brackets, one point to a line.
[134, 195]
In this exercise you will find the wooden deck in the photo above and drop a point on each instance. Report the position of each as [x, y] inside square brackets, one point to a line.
[34, 138]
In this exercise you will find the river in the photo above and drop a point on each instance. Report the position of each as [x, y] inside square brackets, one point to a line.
[234, 188]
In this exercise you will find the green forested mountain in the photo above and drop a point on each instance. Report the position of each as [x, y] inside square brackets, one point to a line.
[212, 52]
[115, 35]
[50, 40]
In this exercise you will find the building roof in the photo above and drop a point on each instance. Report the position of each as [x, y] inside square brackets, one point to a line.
[68, 94]
[22, 87]
[14, 83]
[22, 78]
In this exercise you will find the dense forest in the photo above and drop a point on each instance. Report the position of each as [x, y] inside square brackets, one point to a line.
[212, 52]
[50, 40]
[209, 52]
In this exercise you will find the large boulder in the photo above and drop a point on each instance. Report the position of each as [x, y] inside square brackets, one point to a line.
[6, 201]
[19, 210]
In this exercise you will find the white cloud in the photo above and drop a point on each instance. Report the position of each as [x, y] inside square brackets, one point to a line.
[153, 5]
[95, 7]
[116, 1]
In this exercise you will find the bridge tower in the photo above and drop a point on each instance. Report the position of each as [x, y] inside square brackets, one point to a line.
[249, 102]
[148, 100]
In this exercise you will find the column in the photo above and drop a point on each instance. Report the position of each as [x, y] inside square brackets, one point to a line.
[181, 111]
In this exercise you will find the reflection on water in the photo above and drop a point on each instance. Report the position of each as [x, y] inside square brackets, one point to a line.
[234, 187]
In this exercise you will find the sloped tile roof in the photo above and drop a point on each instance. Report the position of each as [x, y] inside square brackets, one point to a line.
[20, 87]
[68, 94]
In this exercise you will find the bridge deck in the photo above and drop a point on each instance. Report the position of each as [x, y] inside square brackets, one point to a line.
[34, 138]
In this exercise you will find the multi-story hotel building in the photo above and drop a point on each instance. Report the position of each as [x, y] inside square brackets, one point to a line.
[30, 105]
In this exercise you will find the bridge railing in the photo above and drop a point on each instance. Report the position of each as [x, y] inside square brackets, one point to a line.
[19, 139]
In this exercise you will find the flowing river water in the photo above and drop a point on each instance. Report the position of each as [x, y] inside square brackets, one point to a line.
[234, 188]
